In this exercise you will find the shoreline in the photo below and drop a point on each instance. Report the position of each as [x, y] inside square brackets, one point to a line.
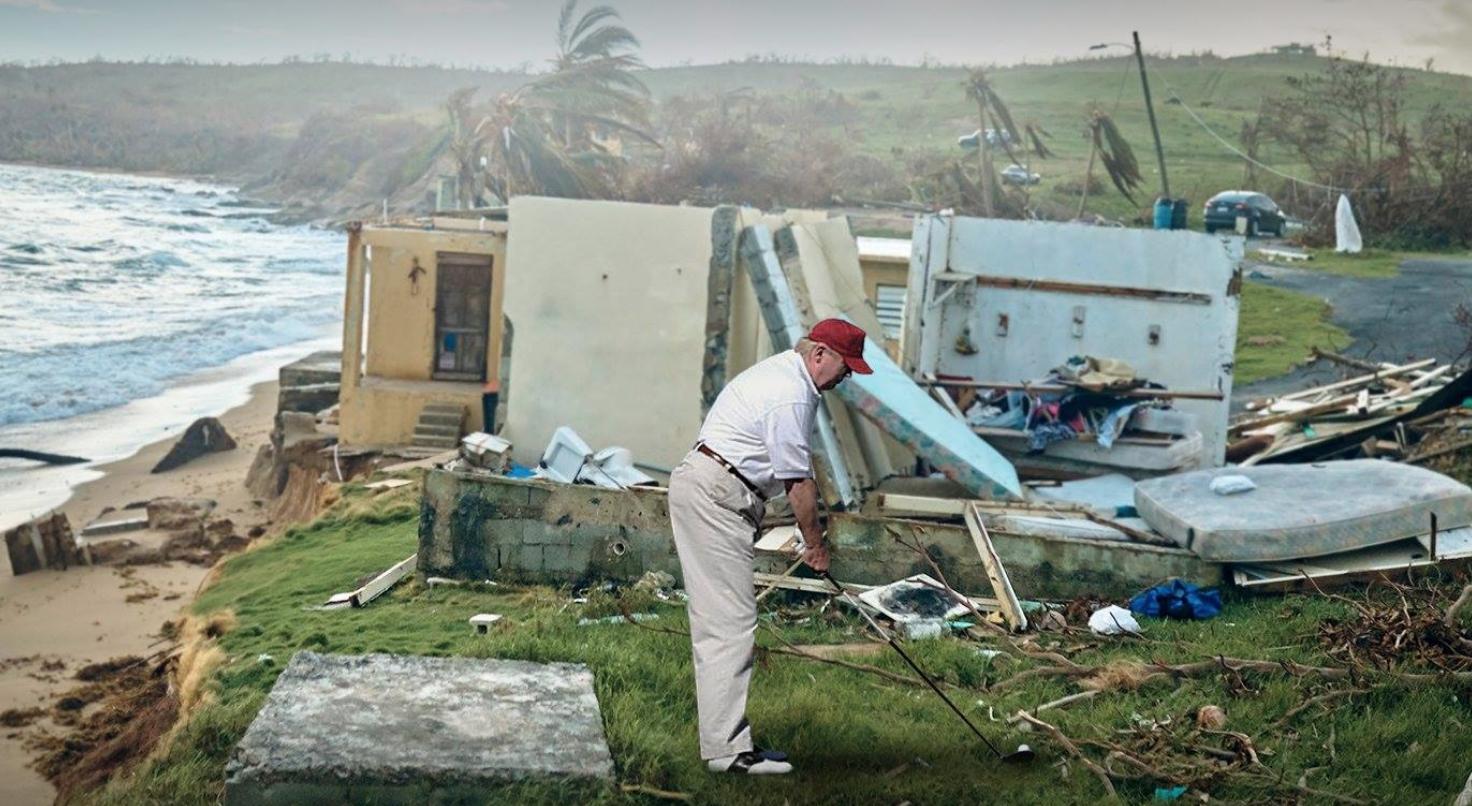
[91, 614]
[108, 437]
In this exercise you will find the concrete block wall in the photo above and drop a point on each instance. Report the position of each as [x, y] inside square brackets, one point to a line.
[479, 527]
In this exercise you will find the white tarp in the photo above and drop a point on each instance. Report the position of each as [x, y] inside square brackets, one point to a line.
[1346, 231]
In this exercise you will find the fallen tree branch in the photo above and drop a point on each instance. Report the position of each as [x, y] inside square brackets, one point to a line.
[1318, 700]
[1159, 672]
[1451, 612]
[1068, 745]
[653, 792]
[1061, 702]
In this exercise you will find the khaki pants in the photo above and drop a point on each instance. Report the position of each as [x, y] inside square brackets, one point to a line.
[715, 519]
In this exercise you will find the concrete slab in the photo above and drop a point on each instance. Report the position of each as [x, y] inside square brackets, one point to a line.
[406, 729]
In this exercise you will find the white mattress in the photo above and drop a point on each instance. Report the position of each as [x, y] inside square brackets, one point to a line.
[1302, 510]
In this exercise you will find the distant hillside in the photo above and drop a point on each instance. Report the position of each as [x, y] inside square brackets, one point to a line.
[327, 137]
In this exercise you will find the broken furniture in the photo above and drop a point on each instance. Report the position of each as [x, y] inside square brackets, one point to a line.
[569, 460]
[402, 729]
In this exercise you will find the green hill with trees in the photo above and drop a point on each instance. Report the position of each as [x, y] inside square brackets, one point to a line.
[329, 137]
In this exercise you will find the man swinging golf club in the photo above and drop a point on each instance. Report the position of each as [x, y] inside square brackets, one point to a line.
[753, 446]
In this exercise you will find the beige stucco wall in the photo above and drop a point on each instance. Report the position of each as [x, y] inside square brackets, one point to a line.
[608, 302]
[397, 358]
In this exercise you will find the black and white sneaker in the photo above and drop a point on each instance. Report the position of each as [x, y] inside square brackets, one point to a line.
[752, 762]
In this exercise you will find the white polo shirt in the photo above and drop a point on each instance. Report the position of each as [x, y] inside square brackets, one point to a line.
[762, 421]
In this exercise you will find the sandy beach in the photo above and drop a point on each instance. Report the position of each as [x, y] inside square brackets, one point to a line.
[85, 615]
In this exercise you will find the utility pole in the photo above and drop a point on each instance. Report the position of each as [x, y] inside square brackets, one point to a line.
[1150, 110]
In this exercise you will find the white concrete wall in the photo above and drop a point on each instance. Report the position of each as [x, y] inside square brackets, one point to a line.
[1197, 344]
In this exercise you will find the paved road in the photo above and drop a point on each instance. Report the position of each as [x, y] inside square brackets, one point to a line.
[1390, 318]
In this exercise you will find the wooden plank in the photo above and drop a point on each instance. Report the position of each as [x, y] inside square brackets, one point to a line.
[1048, 388]
[1091, 289]
[1388, 372]
[375, 587]
[1006, 598]
[763, 580]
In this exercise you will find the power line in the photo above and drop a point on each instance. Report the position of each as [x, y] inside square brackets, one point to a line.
[1225, 143]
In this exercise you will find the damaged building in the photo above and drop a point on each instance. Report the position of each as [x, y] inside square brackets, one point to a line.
[1067, 386]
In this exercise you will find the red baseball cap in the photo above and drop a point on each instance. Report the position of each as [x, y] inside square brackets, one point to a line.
[845, 339]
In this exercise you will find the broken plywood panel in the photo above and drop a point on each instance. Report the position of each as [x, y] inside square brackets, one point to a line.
[1007, 600]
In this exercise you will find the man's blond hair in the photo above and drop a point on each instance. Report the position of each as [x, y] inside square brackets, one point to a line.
[805, 346]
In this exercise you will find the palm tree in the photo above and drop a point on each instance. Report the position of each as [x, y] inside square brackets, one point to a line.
[593, 72]
[989, 107]
[1108, 145]
[539, 137]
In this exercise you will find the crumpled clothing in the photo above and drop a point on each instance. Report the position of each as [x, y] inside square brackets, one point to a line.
[1179, 600]
[1044, 434]
[1014, 416]
[1114, 423]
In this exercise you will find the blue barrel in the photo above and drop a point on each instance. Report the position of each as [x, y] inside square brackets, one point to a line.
[1164, 210]
[1178, 215]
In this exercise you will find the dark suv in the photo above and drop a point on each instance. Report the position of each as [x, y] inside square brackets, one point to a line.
[1263, 216]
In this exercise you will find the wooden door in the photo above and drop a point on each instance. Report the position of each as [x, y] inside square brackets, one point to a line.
[462, 312]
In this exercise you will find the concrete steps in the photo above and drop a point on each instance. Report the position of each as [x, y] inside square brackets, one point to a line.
[439, 428]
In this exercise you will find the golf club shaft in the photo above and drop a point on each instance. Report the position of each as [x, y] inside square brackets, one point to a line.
[913, 665]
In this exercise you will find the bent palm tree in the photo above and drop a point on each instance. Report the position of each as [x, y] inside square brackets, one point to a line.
[989, 108]
[1108, 145]
[593, 72]
[539, 137]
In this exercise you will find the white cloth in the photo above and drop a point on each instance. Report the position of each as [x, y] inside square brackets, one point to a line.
[716, 520]
[762, 421]
[1346, 231]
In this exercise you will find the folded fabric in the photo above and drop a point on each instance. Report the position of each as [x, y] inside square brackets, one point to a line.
[1179, 600]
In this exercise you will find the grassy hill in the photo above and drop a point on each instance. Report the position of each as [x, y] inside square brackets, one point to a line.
[247, 122]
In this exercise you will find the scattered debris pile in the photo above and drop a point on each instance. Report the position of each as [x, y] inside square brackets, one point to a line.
[111, 721]
[1397, 411]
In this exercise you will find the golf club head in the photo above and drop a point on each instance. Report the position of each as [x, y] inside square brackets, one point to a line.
[1021, 755]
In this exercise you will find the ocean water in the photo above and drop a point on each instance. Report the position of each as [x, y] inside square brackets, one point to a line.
[131, 305]
[112, 286]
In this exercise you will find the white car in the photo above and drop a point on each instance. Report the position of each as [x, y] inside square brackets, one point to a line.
[1018, 175]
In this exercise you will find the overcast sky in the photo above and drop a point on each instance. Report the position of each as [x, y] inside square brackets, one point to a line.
[507, 33]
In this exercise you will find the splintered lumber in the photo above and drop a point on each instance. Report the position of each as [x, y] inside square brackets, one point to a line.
[1058, 388]
[1006, 598]
[375, 587]
[1350, 383]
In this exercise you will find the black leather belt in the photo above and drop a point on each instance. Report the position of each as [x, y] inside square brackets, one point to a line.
[730, 468]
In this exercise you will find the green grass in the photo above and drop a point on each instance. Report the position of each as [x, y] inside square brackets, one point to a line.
[1368, 263]
[846, 729]
[1277, 328]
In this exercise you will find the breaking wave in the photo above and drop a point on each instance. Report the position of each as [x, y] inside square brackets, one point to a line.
[130, 283]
